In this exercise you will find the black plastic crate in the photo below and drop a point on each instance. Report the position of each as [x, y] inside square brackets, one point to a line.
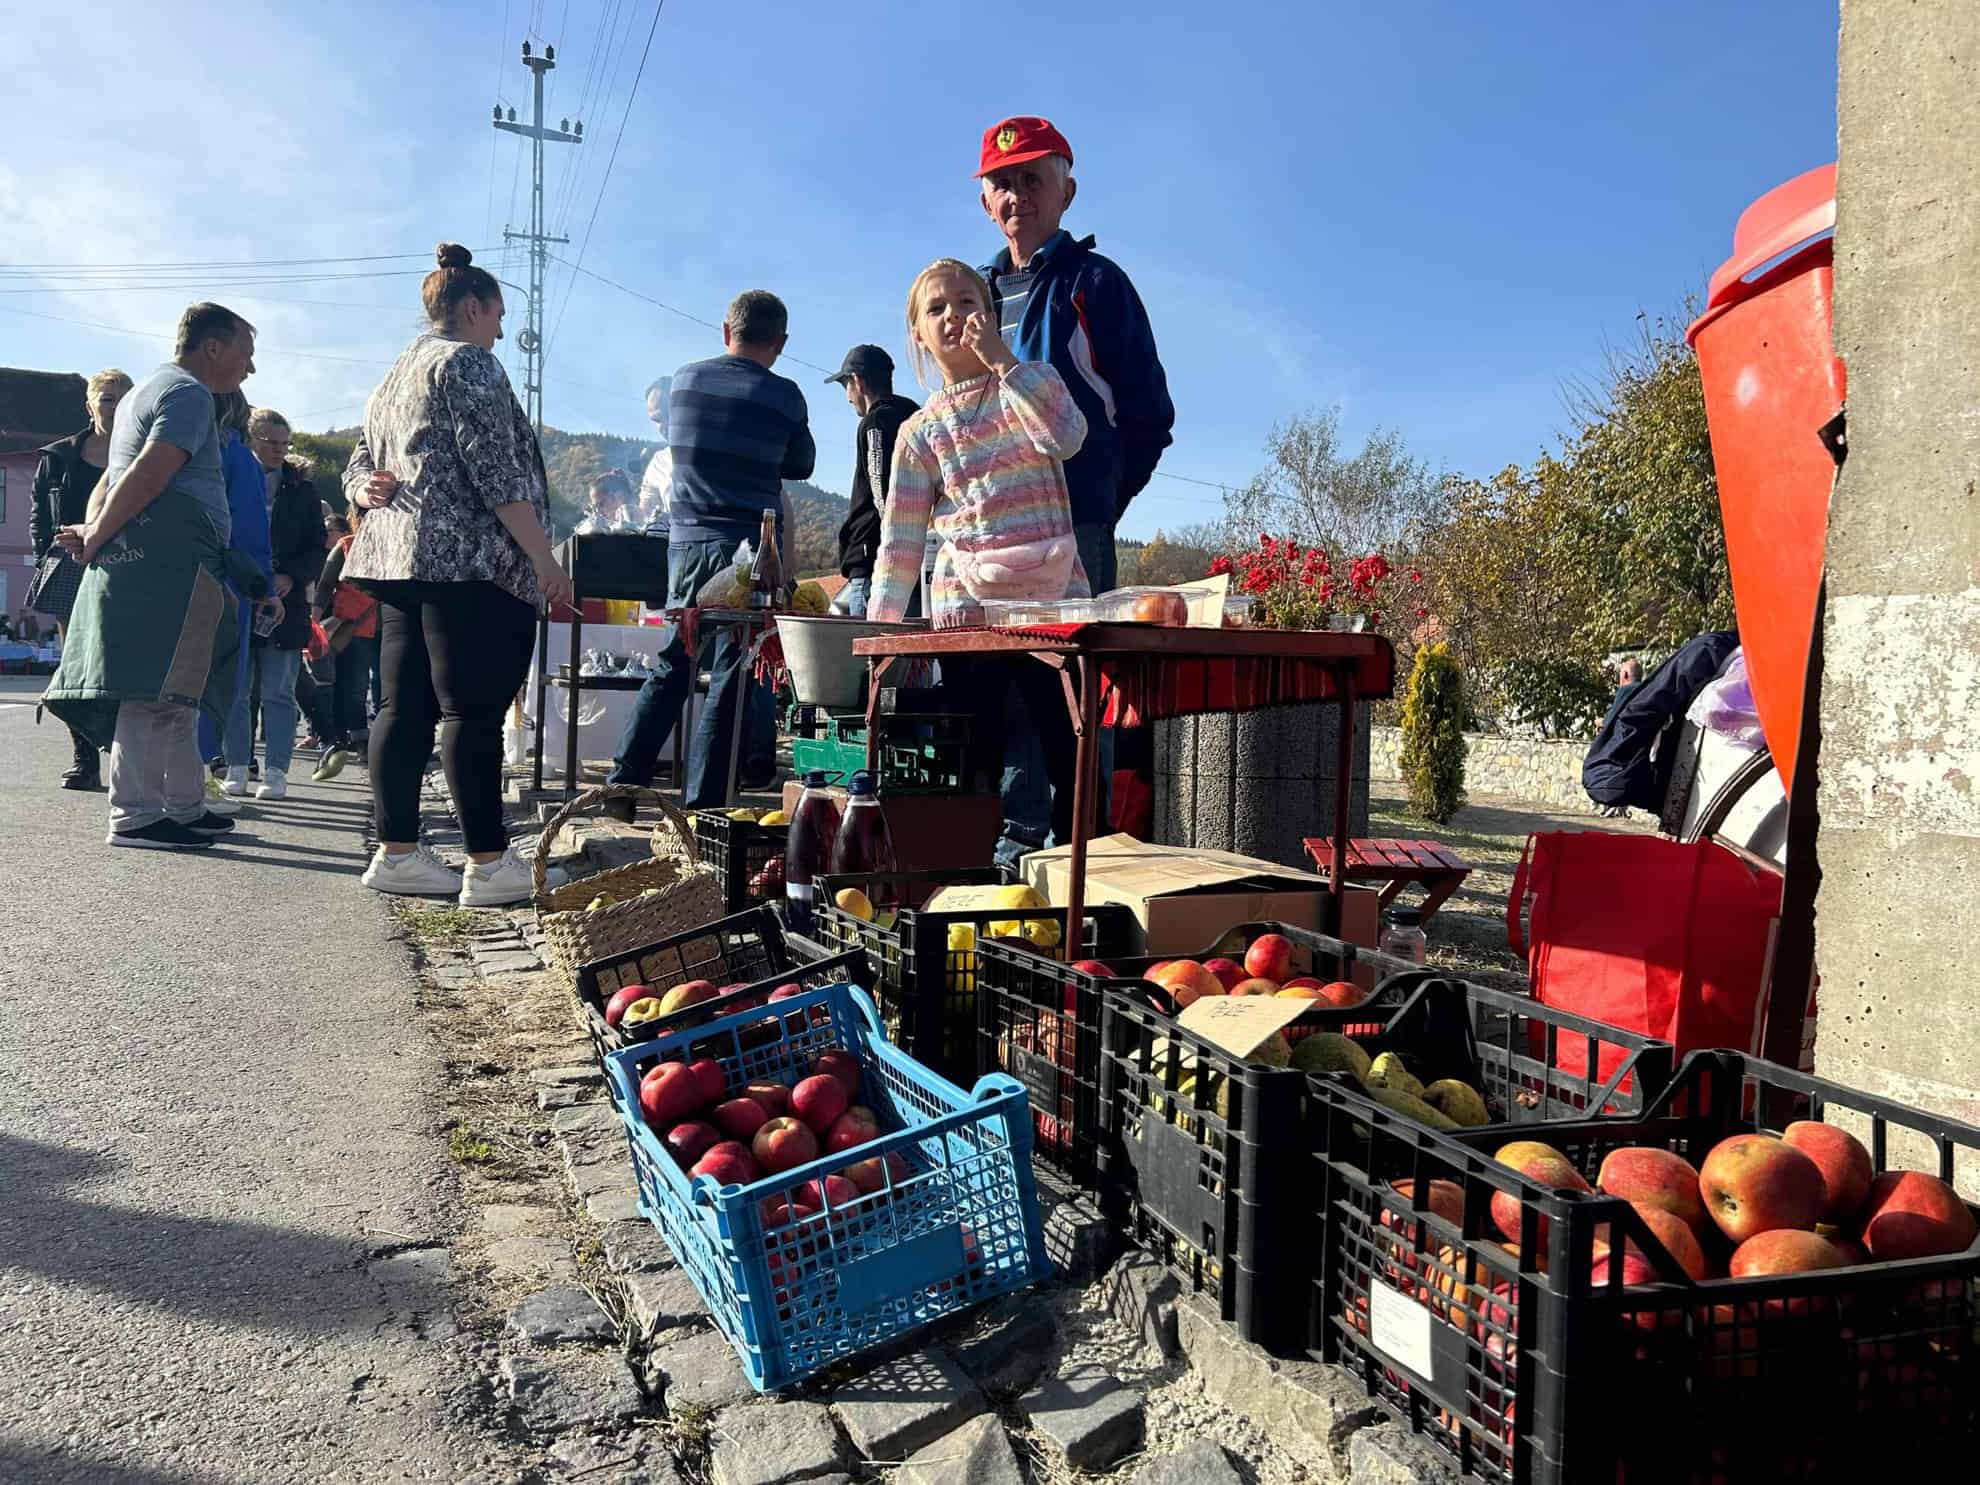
[1538, 1367]
[747, 858]
[926, 962]
[1038, 1019]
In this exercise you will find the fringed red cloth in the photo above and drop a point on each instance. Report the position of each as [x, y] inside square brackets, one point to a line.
[1140, 688]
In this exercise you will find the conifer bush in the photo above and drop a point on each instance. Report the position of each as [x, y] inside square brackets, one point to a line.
[1433, 749]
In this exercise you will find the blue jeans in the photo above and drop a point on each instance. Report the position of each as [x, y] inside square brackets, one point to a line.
[851, 601]
[658, 705]
[278, 712]
[1028, 808]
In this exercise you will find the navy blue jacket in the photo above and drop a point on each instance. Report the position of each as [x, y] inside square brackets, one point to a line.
[738, 431]
[1078, 311]
[1634, 755]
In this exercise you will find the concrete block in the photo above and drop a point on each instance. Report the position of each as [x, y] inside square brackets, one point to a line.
[601, 1177]
[557, 1315]
[559, 1393]
[1392, 1455]
[698, 1370]
[978, 1453]
[1202, 1463]
[530, 1258]
[1142, 1295]
[892, 1410]
[571, 1075]
[1308, 1409]
[614, 1205]
[619, 1461]
[635, 1248]
[550, 1099]
[1007, 1352]
[597, 1119]
[767, 1443]
[515, 1220]
[1087, 1416]
[662, 1300]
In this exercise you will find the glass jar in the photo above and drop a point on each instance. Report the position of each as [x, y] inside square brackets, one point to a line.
[1403, 936]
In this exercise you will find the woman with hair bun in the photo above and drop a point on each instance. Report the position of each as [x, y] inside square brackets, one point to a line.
[450, 478]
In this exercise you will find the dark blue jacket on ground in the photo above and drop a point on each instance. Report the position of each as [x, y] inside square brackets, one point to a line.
[1634, 755]
[1078, 311]
[738, 431]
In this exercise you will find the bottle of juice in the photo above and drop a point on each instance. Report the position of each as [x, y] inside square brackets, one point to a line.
[864, 843]
[808, 850]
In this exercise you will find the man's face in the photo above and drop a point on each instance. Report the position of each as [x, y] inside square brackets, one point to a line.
[1026, 201]
[270, 442]
[853, 392]
[229, 362]
[656, 409]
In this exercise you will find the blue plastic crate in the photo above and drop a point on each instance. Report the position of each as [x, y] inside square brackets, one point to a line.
[961, 1227]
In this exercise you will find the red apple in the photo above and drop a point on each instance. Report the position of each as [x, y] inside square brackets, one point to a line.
[871, 1174]
[1186, 980]
[1784, 1250]
[834, 1191]
[1254, 987]
[1636, 1268]
[1844, 1163]
[692, 992]
[1912, 1215]
[781, 1211]
[689, 1141]
[615, 1008]
[1646, 1176]
[669, 1094]
[729, 1164]
[1539, 1162]
[784, 1144]
[708, 1073]
[1270, 957]
[1228, 972]
[1677, 1236]
[775, 1097]
[740, 1118]
[1095, 968]
[1446, 1201]
[836, 1062]
[855, 1127]
[1301, 982]
[1342, 994]
[787, 990]
[1754, 1183]
[819, 1100]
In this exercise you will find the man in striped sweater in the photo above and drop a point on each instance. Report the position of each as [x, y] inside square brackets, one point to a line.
[737, 431]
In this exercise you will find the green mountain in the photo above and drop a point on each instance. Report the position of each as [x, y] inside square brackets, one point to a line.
[573, 460]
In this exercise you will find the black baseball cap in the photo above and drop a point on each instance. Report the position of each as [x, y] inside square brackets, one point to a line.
[867, 362]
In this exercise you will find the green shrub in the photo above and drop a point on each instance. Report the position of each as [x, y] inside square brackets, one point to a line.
[1433, 734]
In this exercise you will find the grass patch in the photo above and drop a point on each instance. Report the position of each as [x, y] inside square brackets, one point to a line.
[467, 1146]
[442, 927]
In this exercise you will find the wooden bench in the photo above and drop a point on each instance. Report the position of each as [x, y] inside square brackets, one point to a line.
[1396, 864]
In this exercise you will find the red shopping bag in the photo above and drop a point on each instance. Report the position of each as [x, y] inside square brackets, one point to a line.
[1649, 934]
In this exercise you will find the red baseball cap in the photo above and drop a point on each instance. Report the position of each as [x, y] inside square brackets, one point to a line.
[1014, 141]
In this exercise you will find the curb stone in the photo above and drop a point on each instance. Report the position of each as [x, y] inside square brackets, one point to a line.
[1087, 1415]
[1392, 1455]
[978, 1453]
[766, 1443]
[900, 1405]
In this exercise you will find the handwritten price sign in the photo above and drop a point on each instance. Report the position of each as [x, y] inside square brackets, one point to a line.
[1239, 1024]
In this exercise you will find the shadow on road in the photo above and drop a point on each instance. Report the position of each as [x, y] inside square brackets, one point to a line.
[30, 1466]
[233, 1273]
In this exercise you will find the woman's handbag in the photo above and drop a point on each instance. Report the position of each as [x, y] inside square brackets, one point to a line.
[52, 589]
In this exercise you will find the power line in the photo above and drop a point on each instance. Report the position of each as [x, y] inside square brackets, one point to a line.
[213, 264]
[606, 179]
[165, 335]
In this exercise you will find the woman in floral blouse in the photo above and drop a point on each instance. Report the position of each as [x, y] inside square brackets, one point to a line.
[449, 475]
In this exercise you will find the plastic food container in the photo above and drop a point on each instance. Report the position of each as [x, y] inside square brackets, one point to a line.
[1240, 610]
[1143, 606]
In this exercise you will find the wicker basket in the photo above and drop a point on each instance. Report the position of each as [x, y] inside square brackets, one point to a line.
[688, 894]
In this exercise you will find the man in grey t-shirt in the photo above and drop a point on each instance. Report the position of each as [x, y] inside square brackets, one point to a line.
[149, 617]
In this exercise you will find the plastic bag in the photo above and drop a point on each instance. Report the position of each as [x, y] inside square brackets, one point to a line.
[729, 588]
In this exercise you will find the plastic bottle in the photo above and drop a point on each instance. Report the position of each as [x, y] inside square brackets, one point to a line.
[864, 843]
[1402, 935]
[808, 849]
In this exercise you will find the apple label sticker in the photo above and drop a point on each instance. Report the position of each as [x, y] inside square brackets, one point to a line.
[1399, 1327]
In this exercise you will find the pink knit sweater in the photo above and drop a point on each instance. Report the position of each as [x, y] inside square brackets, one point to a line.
[980, 462]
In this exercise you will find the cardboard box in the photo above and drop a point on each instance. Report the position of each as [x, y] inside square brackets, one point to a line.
[1185, 899]
[932, 832]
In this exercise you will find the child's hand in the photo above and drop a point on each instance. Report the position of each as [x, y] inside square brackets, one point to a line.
[986, 342]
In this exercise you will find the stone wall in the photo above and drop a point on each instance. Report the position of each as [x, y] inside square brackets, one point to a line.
[1520, 768]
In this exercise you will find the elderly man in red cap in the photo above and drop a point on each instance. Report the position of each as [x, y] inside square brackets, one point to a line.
[1059, 301]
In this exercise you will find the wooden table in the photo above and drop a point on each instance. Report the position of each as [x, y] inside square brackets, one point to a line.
[1144, 672]
[1396, 863]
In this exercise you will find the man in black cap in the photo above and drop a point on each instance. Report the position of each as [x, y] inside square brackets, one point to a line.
[868, 377]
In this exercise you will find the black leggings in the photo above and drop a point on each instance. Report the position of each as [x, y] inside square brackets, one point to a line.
[1007, 695]
[451, 655]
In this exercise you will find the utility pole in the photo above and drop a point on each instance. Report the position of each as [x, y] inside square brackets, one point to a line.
[530, 341]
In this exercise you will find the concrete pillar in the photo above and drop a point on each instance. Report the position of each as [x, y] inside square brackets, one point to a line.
[1898, 921]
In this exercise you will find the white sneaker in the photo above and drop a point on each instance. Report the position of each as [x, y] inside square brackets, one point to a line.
[217, 799]
[274, 784]
[236, 785]
[418, 873]
[497, 883]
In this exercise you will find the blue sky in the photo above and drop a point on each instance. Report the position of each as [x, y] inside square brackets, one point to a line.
[1430, 212]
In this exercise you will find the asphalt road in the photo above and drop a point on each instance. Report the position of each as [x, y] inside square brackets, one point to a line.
[218, 1140]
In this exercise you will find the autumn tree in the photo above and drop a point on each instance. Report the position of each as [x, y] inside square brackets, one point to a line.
[1313, 490]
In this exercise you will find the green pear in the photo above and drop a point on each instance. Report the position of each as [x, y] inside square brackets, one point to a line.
[1458, 1101]
[1329, 1051]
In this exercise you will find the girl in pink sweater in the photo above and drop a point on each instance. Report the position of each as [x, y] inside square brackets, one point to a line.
[980, 463]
